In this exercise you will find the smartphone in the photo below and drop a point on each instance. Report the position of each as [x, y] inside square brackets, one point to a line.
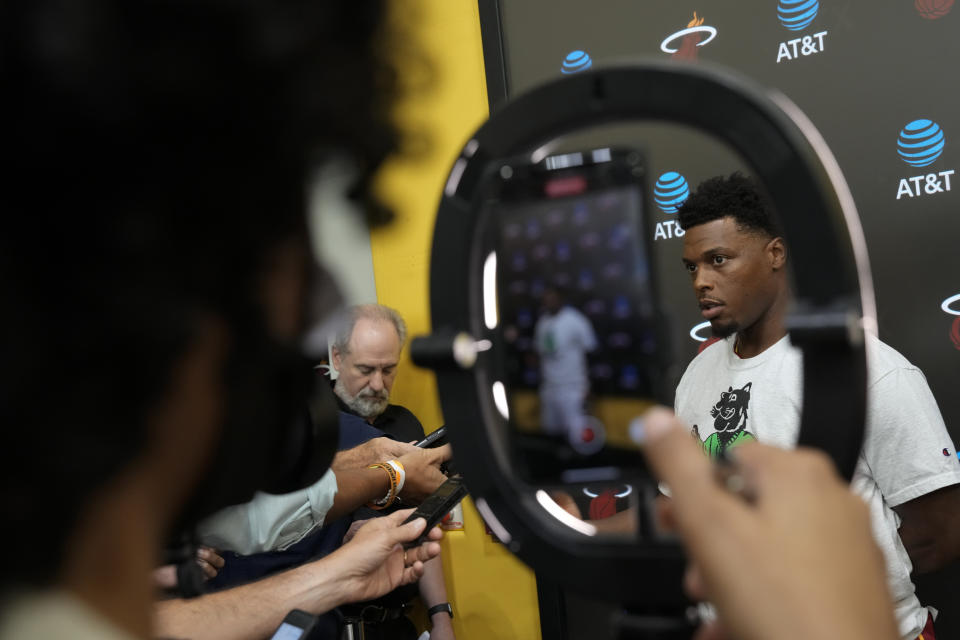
[436, 506]
[296, 626]
[580, 345]
[435, 439]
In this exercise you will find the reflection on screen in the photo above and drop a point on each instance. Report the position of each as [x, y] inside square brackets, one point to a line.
[578, 319]
[587, 247]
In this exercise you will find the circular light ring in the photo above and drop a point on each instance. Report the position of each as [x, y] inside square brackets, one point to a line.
[947, 305]
[786, 155]
[665, 45]
[778, 144]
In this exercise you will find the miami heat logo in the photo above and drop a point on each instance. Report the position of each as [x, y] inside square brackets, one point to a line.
[729, 421]
[933, 9]
[950, 306]
[695, 35]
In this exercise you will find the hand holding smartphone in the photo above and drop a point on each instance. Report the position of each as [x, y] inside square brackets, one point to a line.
[296, 626]
[436, 439]
[436, 506]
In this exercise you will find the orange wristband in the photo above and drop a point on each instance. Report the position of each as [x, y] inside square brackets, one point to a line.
[391, 496]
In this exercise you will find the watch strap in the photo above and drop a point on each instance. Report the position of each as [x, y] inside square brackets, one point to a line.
[437, 608]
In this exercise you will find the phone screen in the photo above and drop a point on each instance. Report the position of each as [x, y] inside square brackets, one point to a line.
[440, 497]
[287, 631]
[437, 505]
[575, 291]
[586, 247]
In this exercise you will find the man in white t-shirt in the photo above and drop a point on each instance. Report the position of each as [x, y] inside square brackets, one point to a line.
[563, 336]
[748, 386]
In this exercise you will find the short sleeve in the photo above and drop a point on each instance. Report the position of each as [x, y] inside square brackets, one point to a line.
[270, 522]
[266, 523]
[587, 336]
[907, 445]
[680, 396]
[538, 336]
[321, 495]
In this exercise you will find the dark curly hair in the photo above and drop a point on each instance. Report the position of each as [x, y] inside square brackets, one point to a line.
[737, 197]
[157, 152]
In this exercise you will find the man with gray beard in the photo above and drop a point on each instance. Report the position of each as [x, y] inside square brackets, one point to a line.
[273, 533]
[365, 354]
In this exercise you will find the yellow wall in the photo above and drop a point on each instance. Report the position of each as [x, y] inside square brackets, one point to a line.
[493, 594]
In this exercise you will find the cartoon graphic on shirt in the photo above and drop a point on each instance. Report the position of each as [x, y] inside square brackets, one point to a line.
[548, 345]
[729, 422]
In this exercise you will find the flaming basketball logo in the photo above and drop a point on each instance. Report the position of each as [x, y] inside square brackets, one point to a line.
[688, 46]
[933, 9]
[949, 306]
[695, 35]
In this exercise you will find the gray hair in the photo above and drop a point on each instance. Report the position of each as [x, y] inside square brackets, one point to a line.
[377, 312]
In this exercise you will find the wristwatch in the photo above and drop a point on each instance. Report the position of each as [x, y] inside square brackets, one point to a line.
[437, 608]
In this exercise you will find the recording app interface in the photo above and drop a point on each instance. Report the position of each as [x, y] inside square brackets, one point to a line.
[588, 248]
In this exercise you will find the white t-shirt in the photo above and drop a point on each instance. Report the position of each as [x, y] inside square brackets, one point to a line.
[907, 451]
[270, 522]
[563, 340]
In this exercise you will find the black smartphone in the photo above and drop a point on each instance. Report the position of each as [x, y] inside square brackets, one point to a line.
[296, 626]
[579, 344]
[437, 505]
[436, 439]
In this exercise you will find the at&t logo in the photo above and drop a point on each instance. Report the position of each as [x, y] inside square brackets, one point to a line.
[797, 15]
[575, 62]
[670, 192]
[919, 144]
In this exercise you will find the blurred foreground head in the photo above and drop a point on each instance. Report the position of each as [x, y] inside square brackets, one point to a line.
[158, 154]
